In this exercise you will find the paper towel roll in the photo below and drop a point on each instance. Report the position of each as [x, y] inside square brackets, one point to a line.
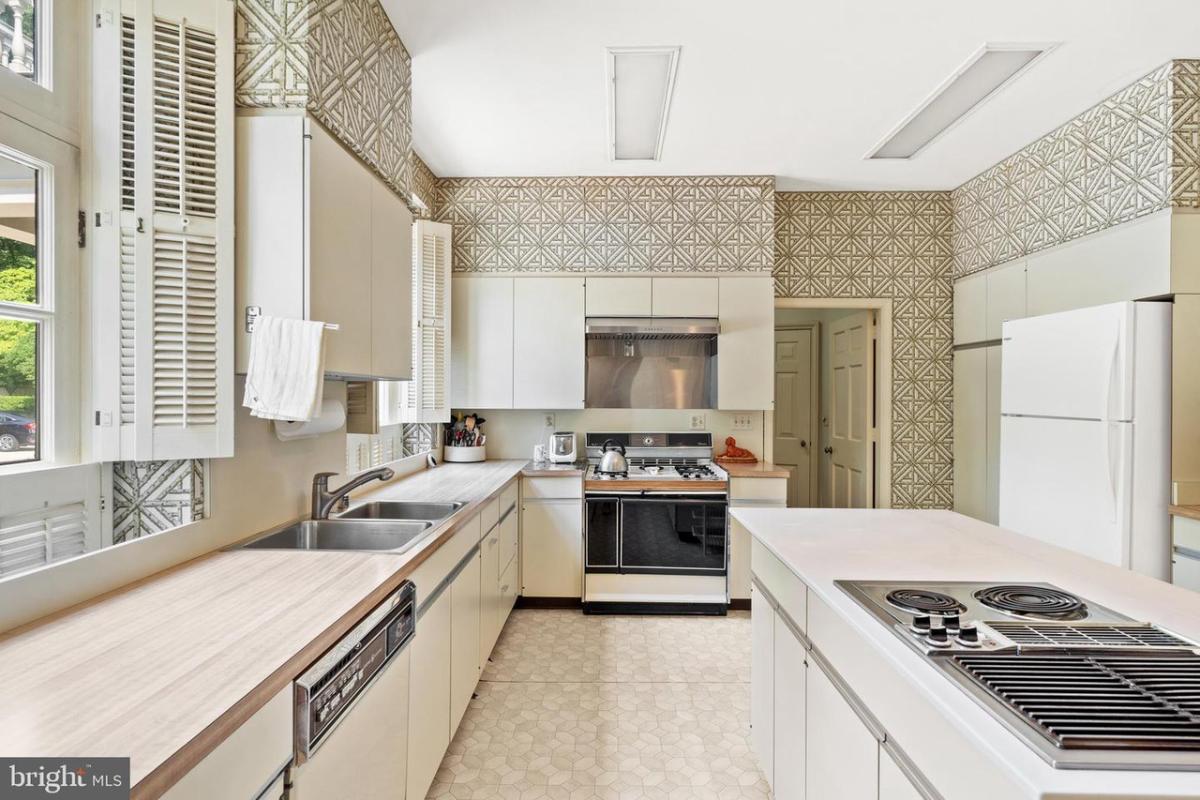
[333, 417]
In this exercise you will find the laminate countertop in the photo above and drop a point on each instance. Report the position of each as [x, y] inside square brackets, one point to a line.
[964, 751]
[163, 670]
[760, 469]
[1192, 512]
[546, 469]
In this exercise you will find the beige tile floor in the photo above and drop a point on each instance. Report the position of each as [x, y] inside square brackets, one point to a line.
[618, 708]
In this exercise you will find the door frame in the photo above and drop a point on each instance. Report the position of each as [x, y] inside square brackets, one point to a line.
[814, 405]
[883, 383]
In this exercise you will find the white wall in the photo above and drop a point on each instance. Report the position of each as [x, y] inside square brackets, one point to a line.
[512, 434]
[265, 484]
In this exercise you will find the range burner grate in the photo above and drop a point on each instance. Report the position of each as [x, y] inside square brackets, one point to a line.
[1042, 602]
[1089, 635]
[924, 601]
[1097, 702]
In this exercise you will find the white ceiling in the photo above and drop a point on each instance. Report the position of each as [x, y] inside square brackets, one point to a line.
[799, 89]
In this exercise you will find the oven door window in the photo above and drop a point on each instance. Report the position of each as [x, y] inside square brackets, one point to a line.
[672, 536]
[601, 534]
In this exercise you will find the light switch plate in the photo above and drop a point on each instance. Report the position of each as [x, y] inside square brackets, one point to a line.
[549, 421]
[743, 422]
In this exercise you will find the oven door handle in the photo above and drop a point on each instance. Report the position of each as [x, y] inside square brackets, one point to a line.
[677, 499]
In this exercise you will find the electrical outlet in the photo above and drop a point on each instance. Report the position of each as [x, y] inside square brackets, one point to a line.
[549, 421]
[697, 422]
[743, 422]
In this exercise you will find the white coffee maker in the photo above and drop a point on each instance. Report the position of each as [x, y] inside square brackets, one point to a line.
[562, 447]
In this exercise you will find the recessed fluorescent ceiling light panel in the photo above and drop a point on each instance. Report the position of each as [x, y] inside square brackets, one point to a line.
[979, 78]
[640, 82]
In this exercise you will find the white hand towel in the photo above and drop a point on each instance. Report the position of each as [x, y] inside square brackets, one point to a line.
[286, 375]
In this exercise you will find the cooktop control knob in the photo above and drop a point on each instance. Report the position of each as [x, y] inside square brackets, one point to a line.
[920, 625]
[951, 622]
[938, 637]
[968, 635]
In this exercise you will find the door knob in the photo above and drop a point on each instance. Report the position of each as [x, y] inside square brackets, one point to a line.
[829, 451]
[803, 443]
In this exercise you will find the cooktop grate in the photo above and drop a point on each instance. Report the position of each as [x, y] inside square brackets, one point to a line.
[1098, 702]
[1085, 634]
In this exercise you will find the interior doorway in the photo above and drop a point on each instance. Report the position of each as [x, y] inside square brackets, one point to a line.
[831, 423]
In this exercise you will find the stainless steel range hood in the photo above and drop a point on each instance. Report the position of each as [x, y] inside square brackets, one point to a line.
[651, 362]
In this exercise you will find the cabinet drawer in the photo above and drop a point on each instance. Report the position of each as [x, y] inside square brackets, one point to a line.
[758, 489]
[788, 590]
[489, 516]
[571, 486]
[509, 541]
[435, 568]
[508, 496]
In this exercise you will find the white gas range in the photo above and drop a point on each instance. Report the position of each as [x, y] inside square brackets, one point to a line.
[656, 534]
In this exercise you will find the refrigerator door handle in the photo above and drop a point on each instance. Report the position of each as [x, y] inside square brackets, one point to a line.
[1114, 467]
[1110, 400]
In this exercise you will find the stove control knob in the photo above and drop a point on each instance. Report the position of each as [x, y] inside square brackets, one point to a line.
[968, 635]
[938, 637]
[951, 622]
[920, 625]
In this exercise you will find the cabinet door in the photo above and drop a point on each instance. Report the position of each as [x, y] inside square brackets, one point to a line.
[746, 345]
[970, 432]
[552, 548]
[464, 639]
[481, 342]
[894, 784]
[970, 309]
[548, 343]
[762, 682]
[391, 285]
[789, 673]
[842, 757]
[489, 592]
[1005, 297]
[685, 297]
[339, 258]
[992, 422]
[618, 297]
[429, 706]
[510, 539]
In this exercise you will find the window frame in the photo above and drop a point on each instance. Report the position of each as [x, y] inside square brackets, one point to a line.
[58, 307]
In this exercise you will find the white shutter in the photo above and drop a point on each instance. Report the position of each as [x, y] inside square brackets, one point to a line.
[427, 397]
[47, 516]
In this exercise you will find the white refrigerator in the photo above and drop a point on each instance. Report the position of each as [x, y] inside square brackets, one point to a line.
[1085, 432]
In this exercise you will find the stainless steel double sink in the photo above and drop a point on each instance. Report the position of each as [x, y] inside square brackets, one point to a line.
[388, 527]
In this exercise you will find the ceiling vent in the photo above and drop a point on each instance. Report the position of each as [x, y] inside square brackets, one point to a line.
[640, 82]
[982, 75]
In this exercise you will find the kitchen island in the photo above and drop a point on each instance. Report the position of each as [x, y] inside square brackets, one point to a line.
[873, 716]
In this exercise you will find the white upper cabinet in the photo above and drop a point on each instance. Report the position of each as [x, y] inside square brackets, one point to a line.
[322, 237]
[1005, 297]
[618, 297]
[685, 297]
[970, 309]
[481, 342]
[746, 345]
[549, 349]
[426, 398]
[162, 182]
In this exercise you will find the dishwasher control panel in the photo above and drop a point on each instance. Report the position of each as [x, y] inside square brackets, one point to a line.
[330, 686]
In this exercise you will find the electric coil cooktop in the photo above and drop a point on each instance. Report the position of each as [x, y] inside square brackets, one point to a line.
[1083, 685]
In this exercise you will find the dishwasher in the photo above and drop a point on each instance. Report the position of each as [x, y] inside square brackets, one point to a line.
[352, 710]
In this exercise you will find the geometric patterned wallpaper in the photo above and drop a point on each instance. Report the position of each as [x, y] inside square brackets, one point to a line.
[887, 245]
[154, 496]
[1133, 154]
[619, 224]
[424, 186]
[339, 59]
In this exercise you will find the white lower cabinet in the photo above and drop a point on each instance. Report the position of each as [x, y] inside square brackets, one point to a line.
[893, 783]
[790, 676]
[842, 755]
[762, 682]
[464, 637]
[429, 702]
[489, 592]
[366, 749]
[249, 760]
[552, 547]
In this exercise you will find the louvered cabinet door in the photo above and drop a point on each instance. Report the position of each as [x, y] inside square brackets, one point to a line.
[176, 236]
[427, 397]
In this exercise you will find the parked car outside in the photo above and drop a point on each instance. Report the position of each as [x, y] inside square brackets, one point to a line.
[16, 431]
